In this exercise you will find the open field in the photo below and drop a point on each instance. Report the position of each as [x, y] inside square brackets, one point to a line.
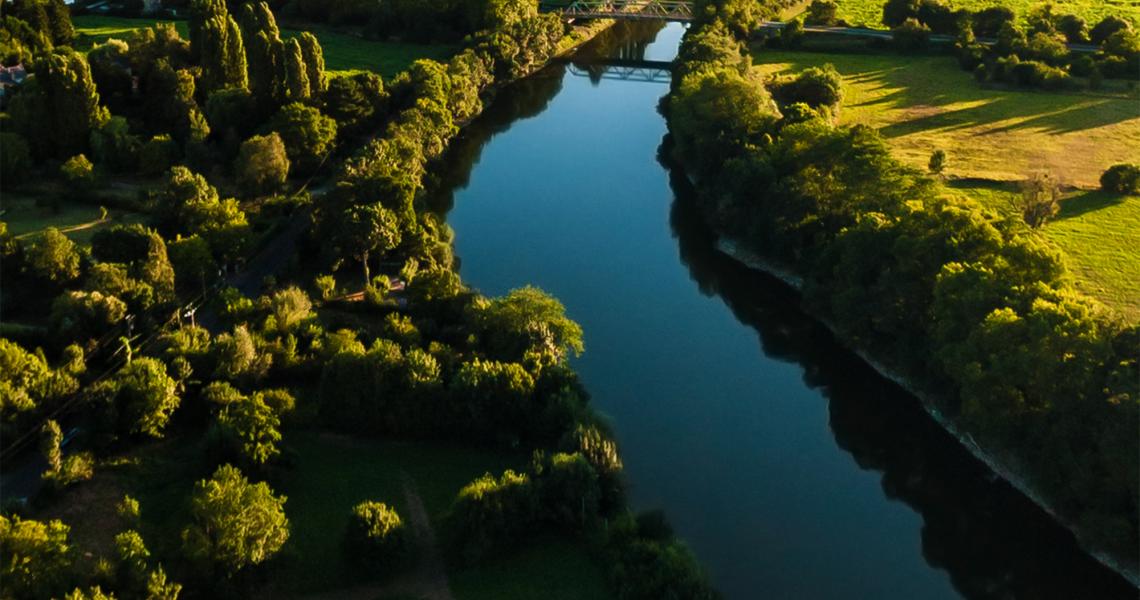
[926, 103]
[870, 12]
[329, 475]
[78, 220]
[343, 53]
[1098, 234]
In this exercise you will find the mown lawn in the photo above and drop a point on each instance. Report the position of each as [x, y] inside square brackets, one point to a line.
[1099, 235]
[870, 12]
[527, 574]
[344, 53]
[926, 103]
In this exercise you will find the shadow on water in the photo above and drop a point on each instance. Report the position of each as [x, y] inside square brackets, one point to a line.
[992, 541]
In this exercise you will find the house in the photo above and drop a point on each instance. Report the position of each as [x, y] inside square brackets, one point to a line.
[10, 78]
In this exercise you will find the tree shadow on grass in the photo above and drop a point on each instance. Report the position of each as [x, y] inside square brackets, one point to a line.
[1087, 202]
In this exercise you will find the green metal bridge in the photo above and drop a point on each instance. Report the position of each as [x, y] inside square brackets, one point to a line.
[657, 10]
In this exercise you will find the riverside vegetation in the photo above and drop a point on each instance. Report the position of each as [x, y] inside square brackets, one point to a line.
[191, 396]
[952, 295]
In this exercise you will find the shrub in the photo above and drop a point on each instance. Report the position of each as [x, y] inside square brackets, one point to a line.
[911, 36]
[816, 87]
[262, 165]
[1121, 179]
[937, 162]
[822, 12]
[78, 173]
[376, 535]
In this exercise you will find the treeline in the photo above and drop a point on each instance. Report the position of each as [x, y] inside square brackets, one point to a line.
[953, 296]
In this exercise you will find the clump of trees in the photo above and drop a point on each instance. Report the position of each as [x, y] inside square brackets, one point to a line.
[937, 287]
[376, 536]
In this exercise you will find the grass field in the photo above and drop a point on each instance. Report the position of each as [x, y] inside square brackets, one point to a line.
[343, 53]
[870, 12]
[78, 220]
[329, 474]
[926, 103]
[1099, 235]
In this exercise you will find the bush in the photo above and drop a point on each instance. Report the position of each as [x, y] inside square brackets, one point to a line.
[376, 535]
[816, 87]
[1121, 179]
[911, 36]
[822, 12]
[78, 173]
[262, 166]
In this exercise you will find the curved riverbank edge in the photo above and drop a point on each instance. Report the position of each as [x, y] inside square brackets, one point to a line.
[737, 251]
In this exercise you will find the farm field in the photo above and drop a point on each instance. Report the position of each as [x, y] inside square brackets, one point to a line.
[1098, 235]
[926, 103]
[344, 54]
[870, 12]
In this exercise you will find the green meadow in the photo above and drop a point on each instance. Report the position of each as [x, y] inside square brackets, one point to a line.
[926, 103]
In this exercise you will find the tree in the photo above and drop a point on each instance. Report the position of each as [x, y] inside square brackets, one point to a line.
[84, 315]
[911, 35]
[1074, 28]
[1121, 179]
[815, 86]
[896, 12]
[529, 320]
[1039, 199]
[365, 229]
[297, 87]
[216, 42]
[937, 162]
[114, 147]
[79, 174]
[53, 257]
[290, 307]
[59, 106]
[15, 158]
[262, 165]
[158, 588]
[235, 523]
[51, 439]
[37, 557]
[1107, 27]
[308, 136]
[253, 426]
[143, 396]
[170, 104]
[822, 12]
[314, 60]
[376, 535]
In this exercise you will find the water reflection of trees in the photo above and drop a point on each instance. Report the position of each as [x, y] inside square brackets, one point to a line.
[993, 542]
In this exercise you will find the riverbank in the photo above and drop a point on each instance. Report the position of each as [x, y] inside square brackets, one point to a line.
[1002, 468]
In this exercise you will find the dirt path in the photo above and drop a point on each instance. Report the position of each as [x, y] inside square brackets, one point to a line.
[427, 580]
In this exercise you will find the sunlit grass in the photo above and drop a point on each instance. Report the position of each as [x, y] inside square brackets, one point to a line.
[926, 103]
[1099, 235]
[870, 12]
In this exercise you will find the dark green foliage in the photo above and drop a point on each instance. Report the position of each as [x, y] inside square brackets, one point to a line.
[138, 400]
[1121, 179]
[170, 105]
[37, 557]
[188, 204]
[1107, 27]
[816, 87]
[83, 316]
[314, 60]
[216, 43]
[911, 36]
[896, 12]
[490, 514]
[357, 103]
[114, 147]
[58, 107]
[376, 537]
[262, 166]
[52, 257]
[822, 12]
[308, 136]
[647, 562]
[235, 524]
[15, 158]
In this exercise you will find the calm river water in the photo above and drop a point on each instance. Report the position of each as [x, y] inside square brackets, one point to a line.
[788, 465]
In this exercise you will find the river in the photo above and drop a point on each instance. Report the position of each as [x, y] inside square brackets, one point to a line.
[789, 466]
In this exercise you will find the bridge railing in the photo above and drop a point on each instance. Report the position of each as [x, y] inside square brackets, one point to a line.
[662, 10]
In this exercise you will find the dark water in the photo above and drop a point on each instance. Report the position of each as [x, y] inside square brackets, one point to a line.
[790, 467]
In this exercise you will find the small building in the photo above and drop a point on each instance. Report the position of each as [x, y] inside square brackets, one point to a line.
[10, 78]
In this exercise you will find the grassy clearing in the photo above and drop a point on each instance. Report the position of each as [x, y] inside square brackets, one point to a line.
[78, 220]
[870, 12]
[1099, 235]
[329, 475]
[344, 54]
[926, 103]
